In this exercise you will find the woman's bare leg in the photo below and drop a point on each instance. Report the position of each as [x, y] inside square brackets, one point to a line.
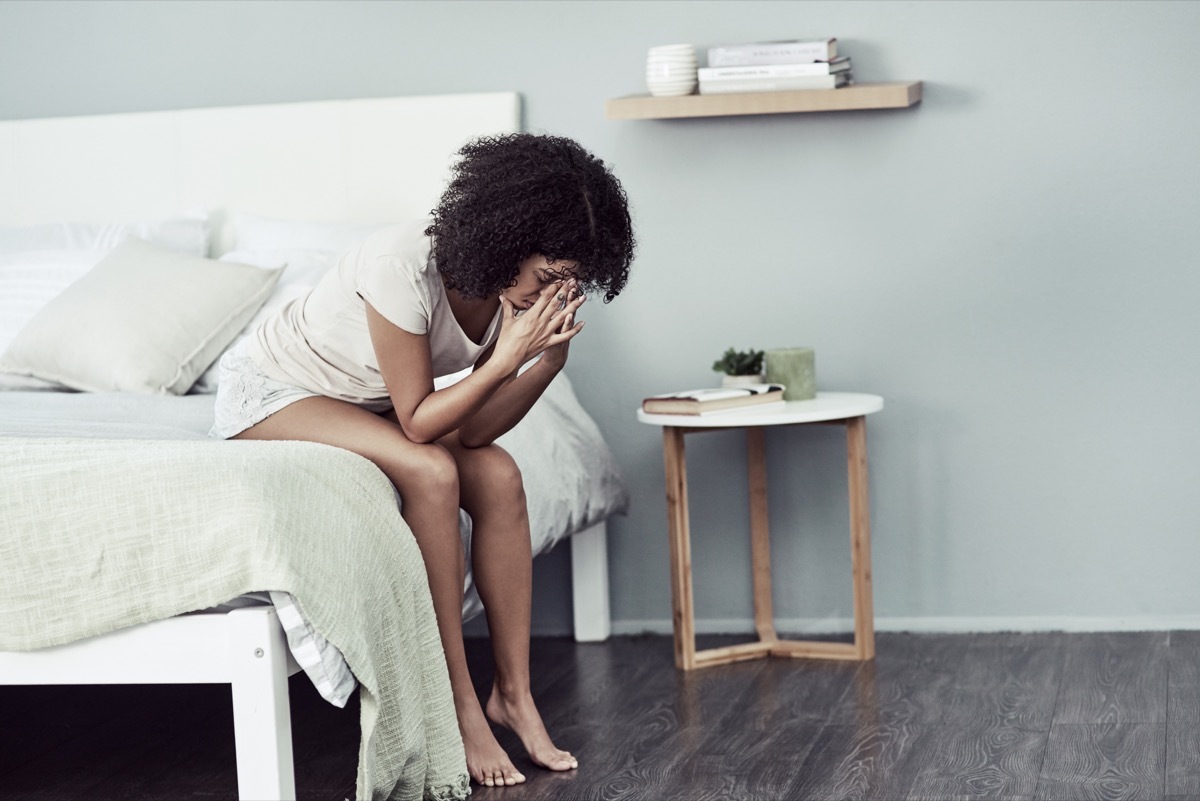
[427, 479]
[492, 493]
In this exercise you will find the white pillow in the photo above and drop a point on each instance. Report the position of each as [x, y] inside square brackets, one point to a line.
[251, 232]
[302, 269]
[188, 234]
[144, 320]
[30, 280]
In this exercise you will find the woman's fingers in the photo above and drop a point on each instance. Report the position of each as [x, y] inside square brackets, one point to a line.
[547, 302]
[567, 335]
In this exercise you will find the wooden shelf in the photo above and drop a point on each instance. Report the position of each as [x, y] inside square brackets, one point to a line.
[897, 94]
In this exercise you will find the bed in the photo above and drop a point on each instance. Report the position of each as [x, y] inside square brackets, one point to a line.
[137, 550]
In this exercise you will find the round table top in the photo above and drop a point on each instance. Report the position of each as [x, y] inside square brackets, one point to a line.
[826, 406]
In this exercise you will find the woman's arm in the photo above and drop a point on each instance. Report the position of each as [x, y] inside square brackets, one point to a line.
[510, 403]
[507, 406]
[406, 364]
[407, 367]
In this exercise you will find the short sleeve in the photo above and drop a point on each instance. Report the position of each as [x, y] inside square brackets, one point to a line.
[397, 289]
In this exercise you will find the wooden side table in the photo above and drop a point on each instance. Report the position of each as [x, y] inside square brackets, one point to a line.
[849, 409]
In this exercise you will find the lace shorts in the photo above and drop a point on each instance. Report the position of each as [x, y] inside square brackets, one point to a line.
[246, 396]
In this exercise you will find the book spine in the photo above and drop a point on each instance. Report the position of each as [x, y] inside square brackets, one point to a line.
[773, 84]
[773, 70]
[772, 53]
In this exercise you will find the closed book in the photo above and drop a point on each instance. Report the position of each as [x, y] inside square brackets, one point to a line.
[840, 64]
[792, 51]
[713, 399]
[732, 85]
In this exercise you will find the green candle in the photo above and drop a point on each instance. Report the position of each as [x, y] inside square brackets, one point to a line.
[795, 368]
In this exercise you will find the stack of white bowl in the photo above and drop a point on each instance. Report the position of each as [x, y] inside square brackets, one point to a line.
[671, 70]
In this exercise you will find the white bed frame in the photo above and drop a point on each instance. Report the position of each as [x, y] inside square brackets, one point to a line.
[373, 160]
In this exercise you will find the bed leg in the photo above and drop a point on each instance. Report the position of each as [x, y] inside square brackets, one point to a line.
[589, 584]
[262, 719]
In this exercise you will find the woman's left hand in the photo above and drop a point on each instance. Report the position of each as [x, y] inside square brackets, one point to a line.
[555, 356]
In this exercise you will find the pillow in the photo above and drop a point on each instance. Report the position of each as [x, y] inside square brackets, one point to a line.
[30, 280]
[251, 232]
[302, 269]
[144, 320]
[188, 234]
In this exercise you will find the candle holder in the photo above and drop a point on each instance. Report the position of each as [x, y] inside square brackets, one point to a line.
[796, 369]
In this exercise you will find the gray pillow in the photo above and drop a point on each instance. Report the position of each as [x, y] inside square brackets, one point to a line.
[144, 319]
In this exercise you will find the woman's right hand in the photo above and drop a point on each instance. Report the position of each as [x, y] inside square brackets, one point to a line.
[525, 335]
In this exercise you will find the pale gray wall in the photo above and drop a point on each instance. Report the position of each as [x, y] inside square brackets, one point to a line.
[1012, 264]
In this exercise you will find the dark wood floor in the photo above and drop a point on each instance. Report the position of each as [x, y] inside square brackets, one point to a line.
[996, 716]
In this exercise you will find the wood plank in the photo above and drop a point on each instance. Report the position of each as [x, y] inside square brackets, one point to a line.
[860, 537]
[908, 680]
[656, 734]
[1183, 758]
[768, 733]
[1007, 680]
[898, 727]
[679, 537]
[1183, 683]
[760, 762]
[894, 94]
[815, 649]
[1103, 761]
[1114, 678]
[979, 760]
[731, 653]
[862, 762]
[760, 534]
[1183, 716]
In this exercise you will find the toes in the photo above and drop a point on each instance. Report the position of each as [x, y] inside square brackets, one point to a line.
[503, 777]
[563, 762]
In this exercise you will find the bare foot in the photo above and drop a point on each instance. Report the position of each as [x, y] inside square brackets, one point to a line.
[486, 761]
[519, 714]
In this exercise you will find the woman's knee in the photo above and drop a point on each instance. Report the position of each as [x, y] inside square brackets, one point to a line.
[426, 470]
[492, 474]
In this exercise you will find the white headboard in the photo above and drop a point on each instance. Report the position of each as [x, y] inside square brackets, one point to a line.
[375, 160]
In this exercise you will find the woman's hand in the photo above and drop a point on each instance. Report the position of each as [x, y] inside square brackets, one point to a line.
[544, 327]
[555, 356]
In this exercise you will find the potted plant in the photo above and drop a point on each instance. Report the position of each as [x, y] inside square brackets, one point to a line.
[740, 367]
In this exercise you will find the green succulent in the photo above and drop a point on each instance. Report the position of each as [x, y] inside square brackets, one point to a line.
[747, 362]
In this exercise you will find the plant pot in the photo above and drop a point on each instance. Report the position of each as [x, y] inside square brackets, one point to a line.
[740, 380]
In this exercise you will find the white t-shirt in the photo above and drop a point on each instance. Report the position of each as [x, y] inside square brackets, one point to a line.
[320, 342]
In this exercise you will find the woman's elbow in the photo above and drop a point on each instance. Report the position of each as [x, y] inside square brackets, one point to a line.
[469, 440]
[417, 436]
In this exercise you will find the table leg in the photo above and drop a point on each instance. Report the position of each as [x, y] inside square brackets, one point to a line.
[679, 536]
[760, 537]
[769, 644]
[860, 537]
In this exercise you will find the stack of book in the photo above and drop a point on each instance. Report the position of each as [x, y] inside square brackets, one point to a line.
[716, 399]
[774, 67]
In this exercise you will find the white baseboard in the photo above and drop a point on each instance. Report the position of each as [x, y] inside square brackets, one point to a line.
[947, 625]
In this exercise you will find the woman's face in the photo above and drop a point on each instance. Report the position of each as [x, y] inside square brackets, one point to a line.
[534, 275]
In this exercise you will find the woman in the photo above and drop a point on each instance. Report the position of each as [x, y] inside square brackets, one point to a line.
[528, 224]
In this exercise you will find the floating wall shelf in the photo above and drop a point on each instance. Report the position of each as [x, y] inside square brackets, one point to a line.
[898, 94]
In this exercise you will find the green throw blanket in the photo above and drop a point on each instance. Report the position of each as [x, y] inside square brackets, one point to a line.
[101, 535]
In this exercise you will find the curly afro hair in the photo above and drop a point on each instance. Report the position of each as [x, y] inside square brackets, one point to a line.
[512, 196]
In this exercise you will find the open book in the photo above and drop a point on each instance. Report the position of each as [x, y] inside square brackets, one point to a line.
[713, 399]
